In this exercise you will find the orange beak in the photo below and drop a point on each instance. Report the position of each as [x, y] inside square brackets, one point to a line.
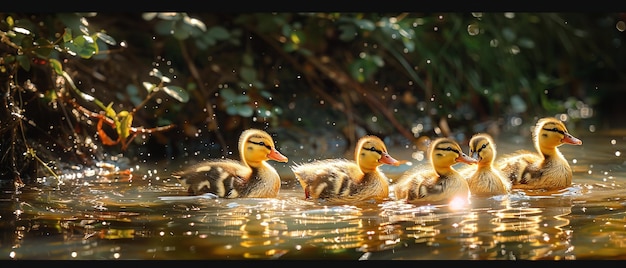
[569, 139]
[463, 158]
[387, 159]
[277, 156]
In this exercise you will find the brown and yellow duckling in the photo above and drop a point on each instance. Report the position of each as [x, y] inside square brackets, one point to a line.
[343, 180]
[485, 179]
[228, 178]
[547, 168]
[439, 184]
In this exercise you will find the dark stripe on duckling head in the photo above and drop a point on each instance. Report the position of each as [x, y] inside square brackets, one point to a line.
[373, 149]
[555, 129]
[449, 148]
[261, 144]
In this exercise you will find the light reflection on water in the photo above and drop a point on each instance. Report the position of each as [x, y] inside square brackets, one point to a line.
[146, 217]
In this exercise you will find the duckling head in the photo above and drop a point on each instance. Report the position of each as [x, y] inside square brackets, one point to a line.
[371, 152]
[257, 146]
[445, 152]
[550, 133]
[483, 149]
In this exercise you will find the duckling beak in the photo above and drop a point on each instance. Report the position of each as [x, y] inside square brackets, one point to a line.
[466, 159]
[569, 139]
[277, 156]
[475, 156]
[387, 159]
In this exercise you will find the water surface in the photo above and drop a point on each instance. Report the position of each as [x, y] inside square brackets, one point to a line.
[146, 215]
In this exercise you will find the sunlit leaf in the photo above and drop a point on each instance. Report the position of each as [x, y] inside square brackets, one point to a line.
[106, 38]
[170, 15]
[21, 30]
[56, 66]
[109, 110]
[148, 15]
[67, 35]
[156, 73]
[9, 21]
[177, 93]
[194, 23]
[125, 124]
[148, 86]
[84, 46]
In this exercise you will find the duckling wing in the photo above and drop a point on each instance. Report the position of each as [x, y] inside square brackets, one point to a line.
[222, 177]
[416, 183]
[517, 167]
[328, 178]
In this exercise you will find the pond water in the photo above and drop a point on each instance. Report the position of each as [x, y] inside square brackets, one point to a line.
[146, 215]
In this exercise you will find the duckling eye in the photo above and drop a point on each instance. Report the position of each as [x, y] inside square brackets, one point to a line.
[261, 144]
[555, 130]
[484, 146]
[373, 149]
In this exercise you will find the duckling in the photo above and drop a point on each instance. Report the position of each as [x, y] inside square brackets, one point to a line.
[442, 183]
[228, 178]
[342, 180]
[547, 169]
[485, 179]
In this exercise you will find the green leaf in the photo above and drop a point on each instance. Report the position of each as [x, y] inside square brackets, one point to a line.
[241, 99]
[84, 46]
[24, 62]
[164, 27]
[106, 38]
[248, 74]
[227, 94]
[348, 33]
[219, 33]
[177, 93]
[365, 25]
[231, 109]
[149, 86]
[194, 23]
[56, 66]
[245, 110]
[67, 35]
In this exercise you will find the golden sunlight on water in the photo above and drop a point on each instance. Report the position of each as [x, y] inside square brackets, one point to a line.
[139, 216]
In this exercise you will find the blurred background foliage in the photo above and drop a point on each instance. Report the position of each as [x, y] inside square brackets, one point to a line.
[183, 84]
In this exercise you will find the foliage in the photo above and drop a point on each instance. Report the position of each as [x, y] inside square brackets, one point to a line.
[407, 74]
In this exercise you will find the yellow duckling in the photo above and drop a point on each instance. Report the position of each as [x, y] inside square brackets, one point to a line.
[442, 183]
[342, 180]
[485, 179]
[547, 169]
[227, 178]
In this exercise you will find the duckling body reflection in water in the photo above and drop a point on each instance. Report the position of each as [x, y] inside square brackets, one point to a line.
[342, 180]
[485, 179]
[227, 178]
[547, 169]
[439, 184]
